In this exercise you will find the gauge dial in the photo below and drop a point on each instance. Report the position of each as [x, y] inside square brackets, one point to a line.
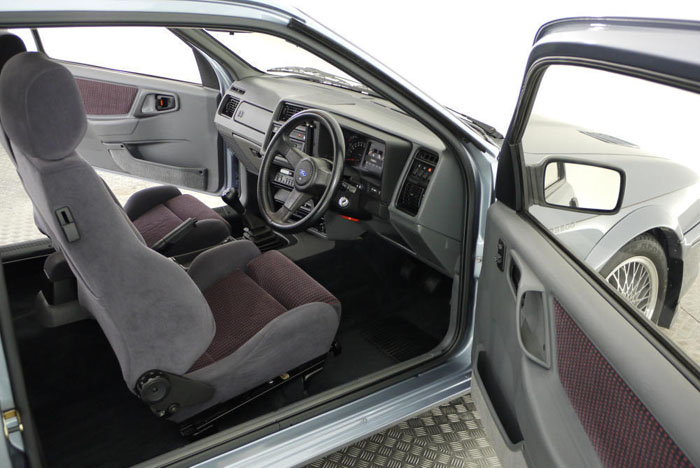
[355, 150]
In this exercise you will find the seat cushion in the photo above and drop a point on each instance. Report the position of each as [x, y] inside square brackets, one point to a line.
[288, 283]
[244, 302]
[158, 221]
[241, 308]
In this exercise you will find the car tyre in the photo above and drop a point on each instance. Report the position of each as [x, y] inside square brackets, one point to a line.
[642, 261]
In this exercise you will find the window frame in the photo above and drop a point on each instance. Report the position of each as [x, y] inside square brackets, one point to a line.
[526, 194]
[36, 32]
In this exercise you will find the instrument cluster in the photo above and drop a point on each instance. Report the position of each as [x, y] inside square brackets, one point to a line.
[364, 154]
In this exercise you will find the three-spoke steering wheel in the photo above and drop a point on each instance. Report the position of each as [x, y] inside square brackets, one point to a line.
[314, 178]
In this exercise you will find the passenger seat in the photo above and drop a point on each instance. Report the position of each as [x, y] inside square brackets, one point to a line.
[155, 211]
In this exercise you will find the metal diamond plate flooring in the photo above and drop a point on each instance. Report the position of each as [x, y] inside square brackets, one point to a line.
[447, 436]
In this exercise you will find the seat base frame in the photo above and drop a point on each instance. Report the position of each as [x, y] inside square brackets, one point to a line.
[205, 423]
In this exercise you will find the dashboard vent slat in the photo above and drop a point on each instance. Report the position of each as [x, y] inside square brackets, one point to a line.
[228, 108]
[426, 156]
[288, 110]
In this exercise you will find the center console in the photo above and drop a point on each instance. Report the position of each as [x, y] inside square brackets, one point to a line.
[416, 182]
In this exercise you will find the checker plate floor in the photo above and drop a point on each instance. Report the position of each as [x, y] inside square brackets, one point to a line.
[450, 435]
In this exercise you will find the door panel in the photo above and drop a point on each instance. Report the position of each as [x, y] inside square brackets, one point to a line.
[609, 397]
[151, 127]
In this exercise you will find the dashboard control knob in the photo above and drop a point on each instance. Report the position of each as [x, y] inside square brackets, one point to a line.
[343, 202]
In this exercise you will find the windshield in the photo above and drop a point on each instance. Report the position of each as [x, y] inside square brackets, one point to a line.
[276, 56]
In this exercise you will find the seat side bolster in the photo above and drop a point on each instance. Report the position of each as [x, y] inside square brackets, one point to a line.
[145, 199]
[214, 264]
[292, 339]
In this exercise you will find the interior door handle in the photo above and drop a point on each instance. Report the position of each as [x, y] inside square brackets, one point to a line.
[158, 103]
[531, 313]
[164, 102]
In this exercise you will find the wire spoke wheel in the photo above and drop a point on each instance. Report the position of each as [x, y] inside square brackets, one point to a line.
[637, 280]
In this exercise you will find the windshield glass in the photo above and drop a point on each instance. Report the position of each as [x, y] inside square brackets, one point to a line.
[274, 55]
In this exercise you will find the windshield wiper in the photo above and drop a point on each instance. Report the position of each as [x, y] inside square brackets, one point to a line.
[485, 128]
[322, 77]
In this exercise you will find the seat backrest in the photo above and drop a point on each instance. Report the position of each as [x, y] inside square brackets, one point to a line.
[152, 313]
[10, 45]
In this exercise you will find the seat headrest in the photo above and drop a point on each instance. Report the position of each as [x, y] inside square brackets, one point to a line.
[10, 45]
[40, 106]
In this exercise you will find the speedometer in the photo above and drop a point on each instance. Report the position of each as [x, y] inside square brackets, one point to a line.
[355, 150]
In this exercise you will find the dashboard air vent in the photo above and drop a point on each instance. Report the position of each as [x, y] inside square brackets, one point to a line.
[237, 90]
[288, 110]
[228, 108]
[425, 156]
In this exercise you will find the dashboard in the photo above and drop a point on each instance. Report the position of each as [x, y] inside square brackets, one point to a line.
[399, 180]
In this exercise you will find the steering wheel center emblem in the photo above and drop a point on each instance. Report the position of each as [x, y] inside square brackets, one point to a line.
[304, 172]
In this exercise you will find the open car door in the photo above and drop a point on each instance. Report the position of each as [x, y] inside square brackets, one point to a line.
[150, 100]
[578, 358]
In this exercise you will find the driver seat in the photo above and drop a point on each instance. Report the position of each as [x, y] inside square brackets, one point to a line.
[235, 320]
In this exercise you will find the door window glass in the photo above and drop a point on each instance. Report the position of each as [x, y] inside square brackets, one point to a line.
[146, 50]
[612, 176]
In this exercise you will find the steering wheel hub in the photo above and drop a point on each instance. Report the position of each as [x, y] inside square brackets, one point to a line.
[304, 174]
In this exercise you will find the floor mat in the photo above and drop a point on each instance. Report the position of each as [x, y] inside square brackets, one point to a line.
[84, 413]
[399, 338]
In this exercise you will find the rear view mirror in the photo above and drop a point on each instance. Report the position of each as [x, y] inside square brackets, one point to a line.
[582, 187]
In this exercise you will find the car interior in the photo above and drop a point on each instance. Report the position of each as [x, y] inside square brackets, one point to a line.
[331, 258]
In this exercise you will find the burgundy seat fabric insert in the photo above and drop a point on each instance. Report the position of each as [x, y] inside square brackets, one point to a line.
[155, 223]
[621, 429]
[244, 302]
[286, 282]
[186, 206]
[241, 309]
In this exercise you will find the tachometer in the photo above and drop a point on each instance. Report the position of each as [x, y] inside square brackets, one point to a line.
[355, 150]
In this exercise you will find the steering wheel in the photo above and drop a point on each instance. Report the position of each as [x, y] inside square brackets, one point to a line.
[314, 178]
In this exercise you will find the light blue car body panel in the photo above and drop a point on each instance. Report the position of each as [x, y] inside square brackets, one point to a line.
[322, 434]
[315, 437]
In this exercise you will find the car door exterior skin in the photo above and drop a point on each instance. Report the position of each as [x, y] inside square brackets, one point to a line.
[565, 374]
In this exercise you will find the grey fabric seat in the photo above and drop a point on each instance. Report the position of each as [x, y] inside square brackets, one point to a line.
[237, 319]
[158, 210]
[154, 211]
[10, 45]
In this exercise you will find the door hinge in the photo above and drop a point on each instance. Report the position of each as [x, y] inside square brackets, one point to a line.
[11, 422]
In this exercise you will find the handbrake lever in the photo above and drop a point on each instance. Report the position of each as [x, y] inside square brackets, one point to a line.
[174, 236]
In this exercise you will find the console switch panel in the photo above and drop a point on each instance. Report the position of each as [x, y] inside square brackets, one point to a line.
[416, 182]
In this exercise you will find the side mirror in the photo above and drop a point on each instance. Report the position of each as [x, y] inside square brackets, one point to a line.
[582, 186]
